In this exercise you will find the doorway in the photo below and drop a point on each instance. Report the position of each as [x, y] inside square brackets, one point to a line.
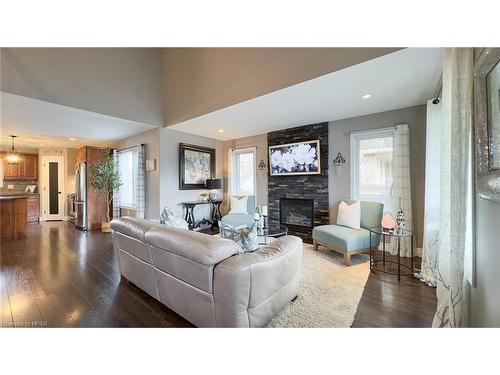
[52, 188]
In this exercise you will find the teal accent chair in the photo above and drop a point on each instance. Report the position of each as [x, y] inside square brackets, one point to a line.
[348, 241]
[236, 220]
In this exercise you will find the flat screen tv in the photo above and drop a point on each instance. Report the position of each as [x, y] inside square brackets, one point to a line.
[299, 158]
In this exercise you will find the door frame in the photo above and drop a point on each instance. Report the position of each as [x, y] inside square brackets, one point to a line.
[44, 192]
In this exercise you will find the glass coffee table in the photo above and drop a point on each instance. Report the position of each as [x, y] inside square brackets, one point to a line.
[390, 266]
[270, 232]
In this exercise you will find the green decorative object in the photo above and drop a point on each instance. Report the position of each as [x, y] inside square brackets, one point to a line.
[104, 179]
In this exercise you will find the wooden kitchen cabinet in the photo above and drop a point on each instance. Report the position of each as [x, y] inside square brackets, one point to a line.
[25, 169]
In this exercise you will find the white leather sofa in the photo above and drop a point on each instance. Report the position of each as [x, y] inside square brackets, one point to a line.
[206, 279]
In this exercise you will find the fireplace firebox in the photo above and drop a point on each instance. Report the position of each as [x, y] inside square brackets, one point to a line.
[297, 214]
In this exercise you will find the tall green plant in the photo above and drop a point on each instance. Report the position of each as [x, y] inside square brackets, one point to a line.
[105, 178]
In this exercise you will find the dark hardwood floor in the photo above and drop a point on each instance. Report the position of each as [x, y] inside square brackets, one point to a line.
[58, 276]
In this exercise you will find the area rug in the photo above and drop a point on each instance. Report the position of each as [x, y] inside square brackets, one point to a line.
[329, 292]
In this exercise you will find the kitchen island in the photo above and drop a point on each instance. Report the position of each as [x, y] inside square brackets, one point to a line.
[13, 214]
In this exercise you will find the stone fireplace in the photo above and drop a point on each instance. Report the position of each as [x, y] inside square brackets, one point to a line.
[297, 214]
[292, 198]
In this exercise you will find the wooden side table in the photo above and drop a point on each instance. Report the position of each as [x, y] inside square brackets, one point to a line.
[214, 216]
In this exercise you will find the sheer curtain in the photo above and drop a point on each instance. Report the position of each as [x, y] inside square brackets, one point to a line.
[455, 188]
[116, 193]
[430, 255]
[401, 186]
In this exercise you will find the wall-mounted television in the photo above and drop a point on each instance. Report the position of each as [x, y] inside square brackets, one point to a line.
[301, 158]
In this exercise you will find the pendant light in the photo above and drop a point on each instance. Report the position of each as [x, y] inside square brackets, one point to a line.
[13, 155]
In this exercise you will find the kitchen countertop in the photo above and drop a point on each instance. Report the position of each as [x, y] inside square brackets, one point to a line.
[15, 194]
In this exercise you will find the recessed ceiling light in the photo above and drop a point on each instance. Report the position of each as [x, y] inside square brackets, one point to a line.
[72, 139]
[366, 96]
[221, 131]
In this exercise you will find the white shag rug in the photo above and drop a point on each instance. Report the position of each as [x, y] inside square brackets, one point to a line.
[329, 292]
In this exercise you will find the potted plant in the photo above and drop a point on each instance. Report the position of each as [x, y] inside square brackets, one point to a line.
[204, 196]
[105, 178]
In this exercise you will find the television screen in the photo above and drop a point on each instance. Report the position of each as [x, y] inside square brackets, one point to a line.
[295, 159]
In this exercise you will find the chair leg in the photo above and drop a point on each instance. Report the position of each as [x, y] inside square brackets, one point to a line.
[347, 259]
[315, 245]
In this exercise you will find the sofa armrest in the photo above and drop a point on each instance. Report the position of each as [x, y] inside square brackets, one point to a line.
[250, 288]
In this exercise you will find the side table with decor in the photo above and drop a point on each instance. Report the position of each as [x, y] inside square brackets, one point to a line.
[215, 213]
[389, 266]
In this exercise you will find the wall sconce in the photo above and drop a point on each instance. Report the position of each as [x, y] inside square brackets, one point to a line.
[338, 161]
[262, 165]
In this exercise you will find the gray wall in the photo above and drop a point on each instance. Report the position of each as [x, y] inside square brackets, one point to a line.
[339, 141]
[485, 295]
[152, 141]
[170, 195]
[120, 82]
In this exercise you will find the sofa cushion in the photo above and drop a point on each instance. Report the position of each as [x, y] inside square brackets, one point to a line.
[237, 220]
[343, 238]
[199, 247]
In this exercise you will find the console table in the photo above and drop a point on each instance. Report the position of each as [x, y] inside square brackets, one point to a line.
[215, 214]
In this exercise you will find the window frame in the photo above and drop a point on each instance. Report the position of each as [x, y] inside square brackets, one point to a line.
[355, 137]
[236, 170]
[134, 151]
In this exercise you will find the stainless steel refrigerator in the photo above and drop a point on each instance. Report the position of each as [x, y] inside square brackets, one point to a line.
[81, 196]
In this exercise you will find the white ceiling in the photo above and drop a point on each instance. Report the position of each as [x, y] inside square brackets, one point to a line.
[38, 123]
[398, 80]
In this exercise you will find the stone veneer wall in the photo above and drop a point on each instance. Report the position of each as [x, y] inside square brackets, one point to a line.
[307, 186]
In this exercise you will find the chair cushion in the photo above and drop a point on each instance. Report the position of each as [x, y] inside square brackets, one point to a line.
[344, 238]
[239, 205]
[371, 213]
[245, 236]
[236, 220]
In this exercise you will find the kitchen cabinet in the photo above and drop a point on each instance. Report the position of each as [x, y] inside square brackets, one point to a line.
[13, 216]
[25, 169]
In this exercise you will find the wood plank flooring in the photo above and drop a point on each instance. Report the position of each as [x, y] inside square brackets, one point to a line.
[58, 276]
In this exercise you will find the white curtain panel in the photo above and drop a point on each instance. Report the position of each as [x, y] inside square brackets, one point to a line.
[141, 181]
[455, 187]
[116, 193]
[401, 187]
[230, 183]
[430, 255]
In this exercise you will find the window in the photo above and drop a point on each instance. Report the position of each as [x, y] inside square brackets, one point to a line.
[127, 165]
[244, 172]
[371, 166]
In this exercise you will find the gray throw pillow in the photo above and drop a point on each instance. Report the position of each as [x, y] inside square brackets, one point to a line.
[244, 236]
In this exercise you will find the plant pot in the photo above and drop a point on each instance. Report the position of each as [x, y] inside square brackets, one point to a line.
[105, 227]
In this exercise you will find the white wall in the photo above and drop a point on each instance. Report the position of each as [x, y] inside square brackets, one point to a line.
[485, 296]
[170, 195]
[151, 140]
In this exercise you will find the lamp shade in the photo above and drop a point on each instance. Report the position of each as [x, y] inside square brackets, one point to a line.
[388, 221]
[213, 183]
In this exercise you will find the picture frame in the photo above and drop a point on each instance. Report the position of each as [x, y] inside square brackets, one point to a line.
[196, 165]
[487, 128]
[283, 160]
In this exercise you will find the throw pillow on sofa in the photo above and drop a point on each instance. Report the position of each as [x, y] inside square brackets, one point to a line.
[349, 215]
[239, 205]
[244, 236]
[168, 217]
